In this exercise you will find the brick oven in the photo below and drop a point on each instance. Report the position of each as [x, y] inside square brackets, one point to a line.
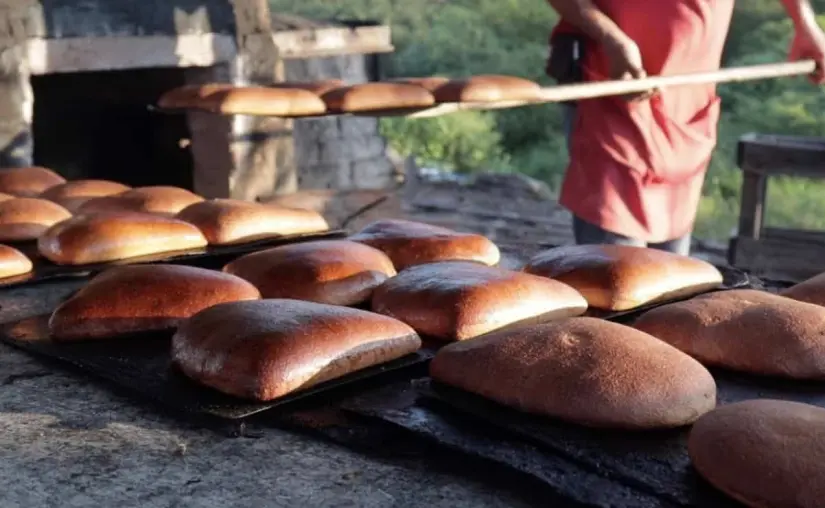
[76, 78]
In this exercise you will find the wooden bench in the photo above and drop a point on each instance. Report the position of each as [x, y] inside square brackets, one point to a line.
[776, 253]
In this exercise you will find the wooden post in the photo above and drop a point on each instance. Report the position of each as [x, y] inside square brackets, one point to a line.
[752, 206]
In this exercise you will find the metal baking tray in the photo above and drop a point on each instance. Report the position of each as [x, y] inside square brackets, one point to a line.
[205, 257]
[141, 366]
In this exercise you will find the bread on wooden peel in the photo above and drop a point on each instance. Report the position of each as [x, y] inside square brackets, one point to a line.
[71, 195]
[141, 298]
[487, 88]
[377, 96]
[159, 199]
[28, 181]
[266, 349]
[582, 370]
[13, 262]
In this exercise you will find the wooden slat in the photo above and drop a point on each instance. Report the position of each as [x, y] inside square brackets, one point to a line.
[778, 258]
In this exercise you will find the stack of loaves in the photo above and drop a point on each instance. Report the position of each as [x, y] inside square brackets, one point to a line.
[93, 221]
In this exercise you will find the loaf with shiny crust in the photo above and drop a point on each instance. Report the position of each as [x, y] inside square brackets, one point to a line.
[267, 101]
[410, 243]
[229, 221]
[377, 97]
[745, 330]
[458, 300]
[487, 88]
[317, 87]
[335, 272]
[159, 199]
[621, 277]
[24, 219]
[583, 370]
[189, 96]
[428, 83]
[810, 291]
[130, 299]
[71, 195]
[13, 262]
[763, 453]
[104, 237]
[269, 348]
[29, 181]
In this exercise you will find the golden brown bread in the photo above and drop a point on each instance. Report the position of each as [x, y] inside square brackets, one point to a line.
[584, 370]
[336, 272]
[621, 277]
[6, 197]
[28, 182]
[429, 83]
[130, 299]
[487, 88]
[189, 96]
[267, 101]
[763, 453]
[13, 262]
[377, 97]
[410, 243]
[104, 237]
[745, 330]
[809, 291]
[71, 195]
[229, 221]
[159, 199]
[317, 87]
[268, 348]
[458, 300]
[24, 219]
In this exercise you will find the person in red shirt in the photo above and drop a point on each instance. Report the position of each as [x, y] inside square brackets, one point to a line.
[637, 164]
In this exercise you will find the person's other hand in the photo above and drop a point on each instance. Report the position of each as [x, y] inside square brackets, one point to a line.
[809, 43]
[625, 62]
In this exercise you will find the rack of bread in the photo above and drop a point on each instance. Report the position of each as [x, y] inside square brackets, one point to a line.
[615, 338]
[425, 97]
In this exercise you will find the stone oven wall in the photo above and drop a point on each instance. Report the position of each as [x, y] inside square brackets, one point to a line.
[339, 152]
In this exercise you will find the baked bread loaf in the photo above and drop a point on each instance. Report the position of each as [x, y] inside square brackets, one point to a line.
[28, 182]
[410, 243]
[335, 272]
[621, 277]
[140, 298]
[71, 195]
[13, 262]
[428, 83]
[809, 291]
[763, 453]
[230, 221]
[264, 101]
[487, 88]
[269, 348]
[745, 330]
[317, 87]
[104, 237]
[377, 97]
[189, 96]
[24, 219]
[6, 197]
[159, 199]
[583, 370]
[458, 300]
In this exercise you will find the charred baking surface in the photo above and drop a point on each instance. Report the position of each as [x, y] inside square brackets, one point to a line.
[142, 367]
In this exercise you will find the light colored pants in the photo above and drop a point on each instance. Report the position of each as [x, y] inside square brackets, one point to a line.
[586, 233]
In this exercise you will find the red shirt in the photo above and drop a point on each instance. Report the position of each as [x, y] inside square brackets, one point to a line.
[637, 168]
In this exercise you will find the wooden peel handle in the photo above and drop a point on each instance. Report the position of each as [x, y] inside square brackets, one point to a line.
[731, 75]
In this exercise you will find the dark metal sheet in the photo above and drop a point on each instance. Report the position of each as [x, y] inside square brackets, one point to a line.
[141, 365]
[207, 257]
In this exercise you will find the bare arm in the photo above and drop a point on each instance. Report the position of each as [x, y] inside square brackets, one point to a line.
[588, 18]
[801, 12]
[809, 40]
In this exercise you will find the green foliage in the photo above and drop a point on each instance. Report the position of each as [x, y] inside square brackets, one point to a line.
[462, 37]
